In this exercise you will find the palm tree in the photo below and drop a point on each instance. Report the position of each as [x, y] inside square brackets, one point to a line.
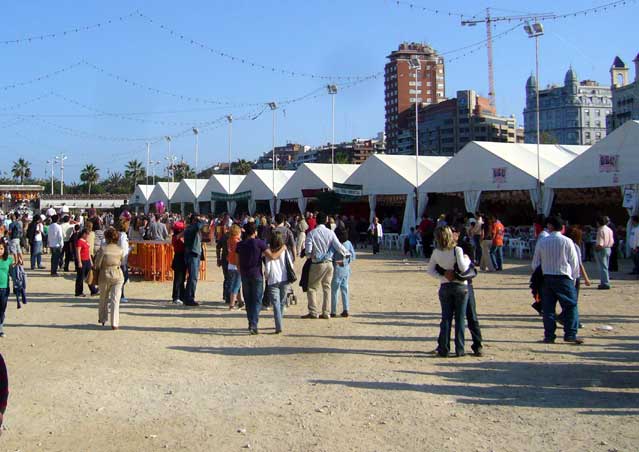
[243, 167]
[134, 171]
[21, 170]
[182, 170]
[90, 175]
[115, 183]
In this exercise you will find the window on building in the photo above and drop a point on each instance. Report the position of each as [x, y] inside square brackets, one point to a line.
[598, 135]
[587, 112]
[587, 135]
[597, 112]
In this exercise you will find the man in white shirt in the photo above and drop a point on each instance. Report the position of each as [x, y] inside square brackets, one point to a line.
[633, 243]
[321, 243]
[55, 242]
[560, 265]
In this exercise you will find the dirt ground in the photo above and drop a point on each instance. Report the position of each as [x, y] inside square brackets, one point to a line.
[193, 379]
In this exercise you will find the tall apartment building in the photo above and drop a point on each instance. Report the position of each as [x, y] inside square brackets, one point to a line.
[448, 126]
[355, 152]
[625, 95]
[401, 91]
[571, 114]
[283, 156]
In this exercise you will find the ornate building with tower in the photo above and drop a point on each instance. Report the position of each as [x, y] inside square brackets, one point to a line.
[625, 94]
[574, 113]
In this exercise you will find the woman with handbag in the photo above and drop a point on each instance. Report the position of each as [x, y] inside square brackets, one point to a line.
[109, 265]
[453, 293]
[277, 278]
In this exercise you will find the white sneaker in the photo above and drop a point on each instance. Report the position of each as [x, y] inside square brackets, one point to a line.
[178, 302]
[124, 300]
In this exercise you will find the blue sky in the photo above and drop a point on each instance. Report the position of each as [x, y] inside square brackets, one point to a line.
[321, 37]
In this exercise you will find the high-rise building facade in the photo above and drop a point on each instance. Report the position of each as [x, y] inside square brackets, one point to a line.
[571, 114]
[402, 91]
[625, 94]
[446, 127]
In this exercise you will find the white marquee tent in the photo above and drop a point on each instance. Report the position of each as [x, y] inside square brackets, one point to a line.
[140, 196]
[260, 184]
[396, 175]
[314, 176]
[221, 183]
[163, 191]
[187, 191]
[485, 166]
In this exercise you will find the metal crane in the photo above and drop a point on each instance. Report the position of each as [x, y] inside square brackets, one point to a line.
[489, 20]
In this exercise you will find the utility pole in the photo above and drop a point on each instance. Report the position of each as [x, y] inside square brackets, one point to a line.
[148, 161]
[61, 158]
[51, 162]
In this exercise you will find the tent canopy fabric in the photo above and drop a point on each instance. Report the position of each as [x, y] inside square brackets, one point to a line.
[486, 166]
[163, 191]
[394, 174]
[613, 161]
[188, 190]
[260, 182]
[315, 176]
[141, 194]
[219, 183]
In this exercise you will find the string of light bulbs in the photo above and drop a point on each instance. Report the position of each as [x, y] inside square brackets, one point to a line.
[42, 77]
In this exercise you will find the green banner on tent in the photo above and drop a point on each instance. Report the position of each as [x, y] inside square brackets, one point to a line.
[234, 197]
[348, 190]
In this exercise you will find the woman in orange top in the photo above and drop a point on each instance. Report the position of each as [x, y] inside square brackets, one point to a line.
[233, 271]
[496, 251]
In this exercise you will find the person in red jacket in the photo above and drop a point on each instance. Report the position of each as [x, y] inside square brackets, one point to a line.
[312, 222]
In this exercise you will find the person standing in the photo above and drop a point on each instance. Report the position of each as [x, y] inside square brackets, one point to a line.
[341, 274]
[453, 294]
[35, 241]
[178, 265]
[123, 242]
[277, 278]
[6, 262]
[496, 249]
[377, 234]
[603, 247]
[55, 240]
[221, 253]
[193, 254]
[16, 232]
[68, 253]
[302, 227]
[83, 264]
[321, 244]
[287, 234]
[427, 230]
[633, 244]
[476, 234]
[109, 263]
[614, 249]
[234, 277]
[557, 256]
[250, 252]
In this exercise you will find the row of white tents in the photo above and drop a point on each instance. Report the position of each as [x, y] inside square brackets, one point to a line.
[478, 168]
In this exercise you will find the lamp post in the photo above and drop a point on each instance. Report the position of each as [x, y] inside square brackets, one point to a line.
[61, 158]
[535, 31]
[51, 162]
[196, 132]
[154, 165]
[168, 154]
[332, 91]
[273, 107]
[148, 161]
[229, 118]
[414, 63]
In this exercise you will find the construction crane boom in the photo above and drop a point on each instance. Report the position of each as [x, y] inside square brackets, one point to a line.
[489, 20]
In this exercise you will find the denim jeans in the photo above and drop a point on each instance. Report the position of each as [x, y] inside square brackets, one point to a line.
[193, 267]
[56, 252]
[603, 259]
[559, 289]
[497, 256]
[81, 274]
[471, 319]
[477, 245]
[252, 289]
[635, 260]
[235, 282]
[453, 298]
[339, 284]
[4, 299]
[277, 295]
[226, 285]
[36, 255]
[125, 272]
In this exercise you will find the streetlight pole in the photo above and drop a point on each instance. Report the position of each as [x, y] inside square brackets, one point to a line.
[535, 31]
[51, 162]
[155, 165]
[196, 132]
[61, 158]
[148, 161]
[229, 118]
[414, 63]
[273, 107]
[168, 158]
[332, 90]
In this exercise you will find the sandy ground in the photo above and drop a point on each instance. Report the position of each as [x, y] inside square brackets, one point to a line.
[193, 379]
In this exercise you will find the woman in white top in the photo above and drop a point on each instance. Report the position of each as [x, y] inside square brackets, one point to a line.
[377, 234]
[453, 294]
[276, 278]
[123, 241]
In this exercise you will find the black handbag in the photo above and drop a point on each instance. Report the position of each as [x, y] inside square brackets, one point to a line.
[468, 275]
[291, 277]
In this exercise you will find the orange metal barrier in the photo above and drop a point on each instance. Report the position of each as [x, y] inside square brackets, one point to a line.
[152, 261]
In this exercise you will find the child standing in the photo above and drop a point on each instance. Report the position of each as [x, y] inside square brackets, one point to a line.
[412, 242]
[341, 274]
[6, 262]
